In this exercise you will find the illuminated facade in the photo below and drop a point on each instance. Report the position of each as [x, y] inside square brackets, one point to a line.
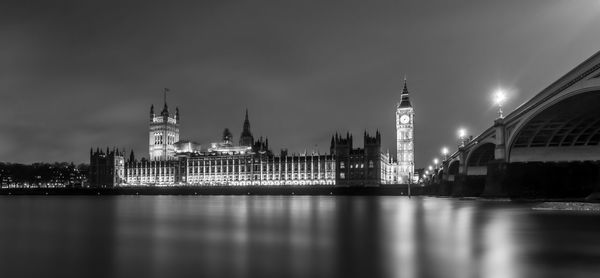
[405, 116]
[164, 133]
[235, 169]
[175, 162]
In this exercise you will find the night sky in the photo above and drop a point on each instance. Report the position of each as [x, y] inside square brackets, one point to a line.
[77, 74]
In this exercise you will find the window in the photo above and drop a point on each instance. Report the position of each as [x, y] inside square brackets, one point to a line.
[342, 166]
[342, 175]
[370, 163]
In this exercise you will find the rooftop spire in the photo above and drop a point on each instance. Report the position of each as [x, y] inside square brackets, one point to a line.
[246, 123]
[405, 89]
[246, 138]
[404, 101]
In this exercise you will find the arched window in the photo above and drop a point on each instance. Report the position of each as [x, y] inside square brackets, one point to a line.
[342, 166]
[371, 164]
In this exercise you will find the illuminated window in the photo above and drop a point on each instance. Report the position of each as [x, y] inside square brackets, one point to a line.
[342, 175]
[342, 166]
[370, 163]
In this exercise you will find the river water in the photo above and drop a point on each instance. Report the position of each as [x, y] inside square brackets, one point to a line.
[284, 236]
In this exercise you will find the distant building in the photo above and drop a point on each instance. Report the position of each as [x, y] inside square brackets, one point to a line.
[223, 163]
[43, 175]
[182, 162]
[366, 166]
[106, 168]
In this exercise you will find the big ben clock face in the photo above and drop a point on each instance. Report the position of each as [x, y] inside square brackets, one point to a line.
[404, 119]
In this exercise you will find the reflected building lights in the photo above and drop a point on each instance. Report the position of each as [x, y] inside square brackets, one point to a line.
[499, 258]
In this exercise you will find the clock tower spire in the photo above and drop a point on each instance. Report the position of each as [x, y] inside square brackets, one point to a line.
[404, 136]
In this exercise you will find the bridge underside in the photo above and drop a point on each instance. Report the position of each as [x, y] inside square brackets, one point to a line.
[478, 160]
[556, 154]
[567, 131]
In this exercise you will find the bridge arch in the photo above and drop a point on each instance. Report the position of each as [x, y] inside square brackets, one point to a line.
[566, 129]
[453, 169]
[478, 158]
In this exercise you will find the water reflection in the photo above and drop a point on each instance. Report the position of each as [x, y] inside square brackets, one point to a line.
[301, 236]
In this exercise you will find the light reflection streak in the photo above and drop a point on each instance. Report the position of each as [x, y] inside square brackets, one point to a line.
[404, 244]
[499, 257]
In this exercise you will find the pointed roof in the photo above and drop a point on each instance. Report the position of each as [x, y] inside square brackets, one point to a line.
[404, 99]
[246, 129]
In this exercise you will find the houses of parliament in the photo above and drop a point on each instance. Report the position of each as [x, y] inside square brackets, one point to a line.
[251, 162]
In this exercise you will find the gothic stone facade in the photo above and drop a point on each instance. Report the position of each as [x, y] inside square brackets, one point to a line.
[175, 162]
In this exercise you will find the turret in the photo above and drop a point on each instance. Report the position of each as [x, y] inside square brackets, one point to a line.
[152, 115]
[131, 156]
[227, 136]
[165, 111]
[332, 145]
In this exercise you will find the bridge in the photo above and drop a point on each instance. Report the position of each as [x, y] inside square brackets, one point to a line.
[547, 147]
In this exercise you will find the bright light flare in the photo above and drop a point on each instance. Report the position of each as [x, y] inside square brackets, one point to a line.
[462, 133]
[499, 97]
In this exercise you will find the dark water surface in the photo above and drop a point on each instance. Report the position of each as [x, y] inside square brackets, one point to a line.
[303, 236]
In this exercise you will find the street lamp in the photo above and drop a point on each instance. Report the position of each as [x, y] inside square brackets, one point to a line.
[499, 98]
[445, 152]
[462, 134]
[430, 168]
[435, 162]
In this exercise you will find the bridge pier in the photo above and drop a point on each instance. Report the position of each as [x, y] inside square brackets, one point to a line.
[495, 181]
[595, 195]
[457, 189]
[445, 188]
[468, 186]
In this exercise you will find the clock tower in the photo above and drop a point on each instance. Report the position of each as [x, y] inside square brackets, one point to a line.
[405, 116]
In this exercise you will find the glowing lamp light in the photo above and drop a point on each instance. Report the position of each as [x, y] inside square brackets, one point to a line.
[462, 133]
[435, 161]
[430, 168]
[426, 172]
[499, 98]
[445, 151]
